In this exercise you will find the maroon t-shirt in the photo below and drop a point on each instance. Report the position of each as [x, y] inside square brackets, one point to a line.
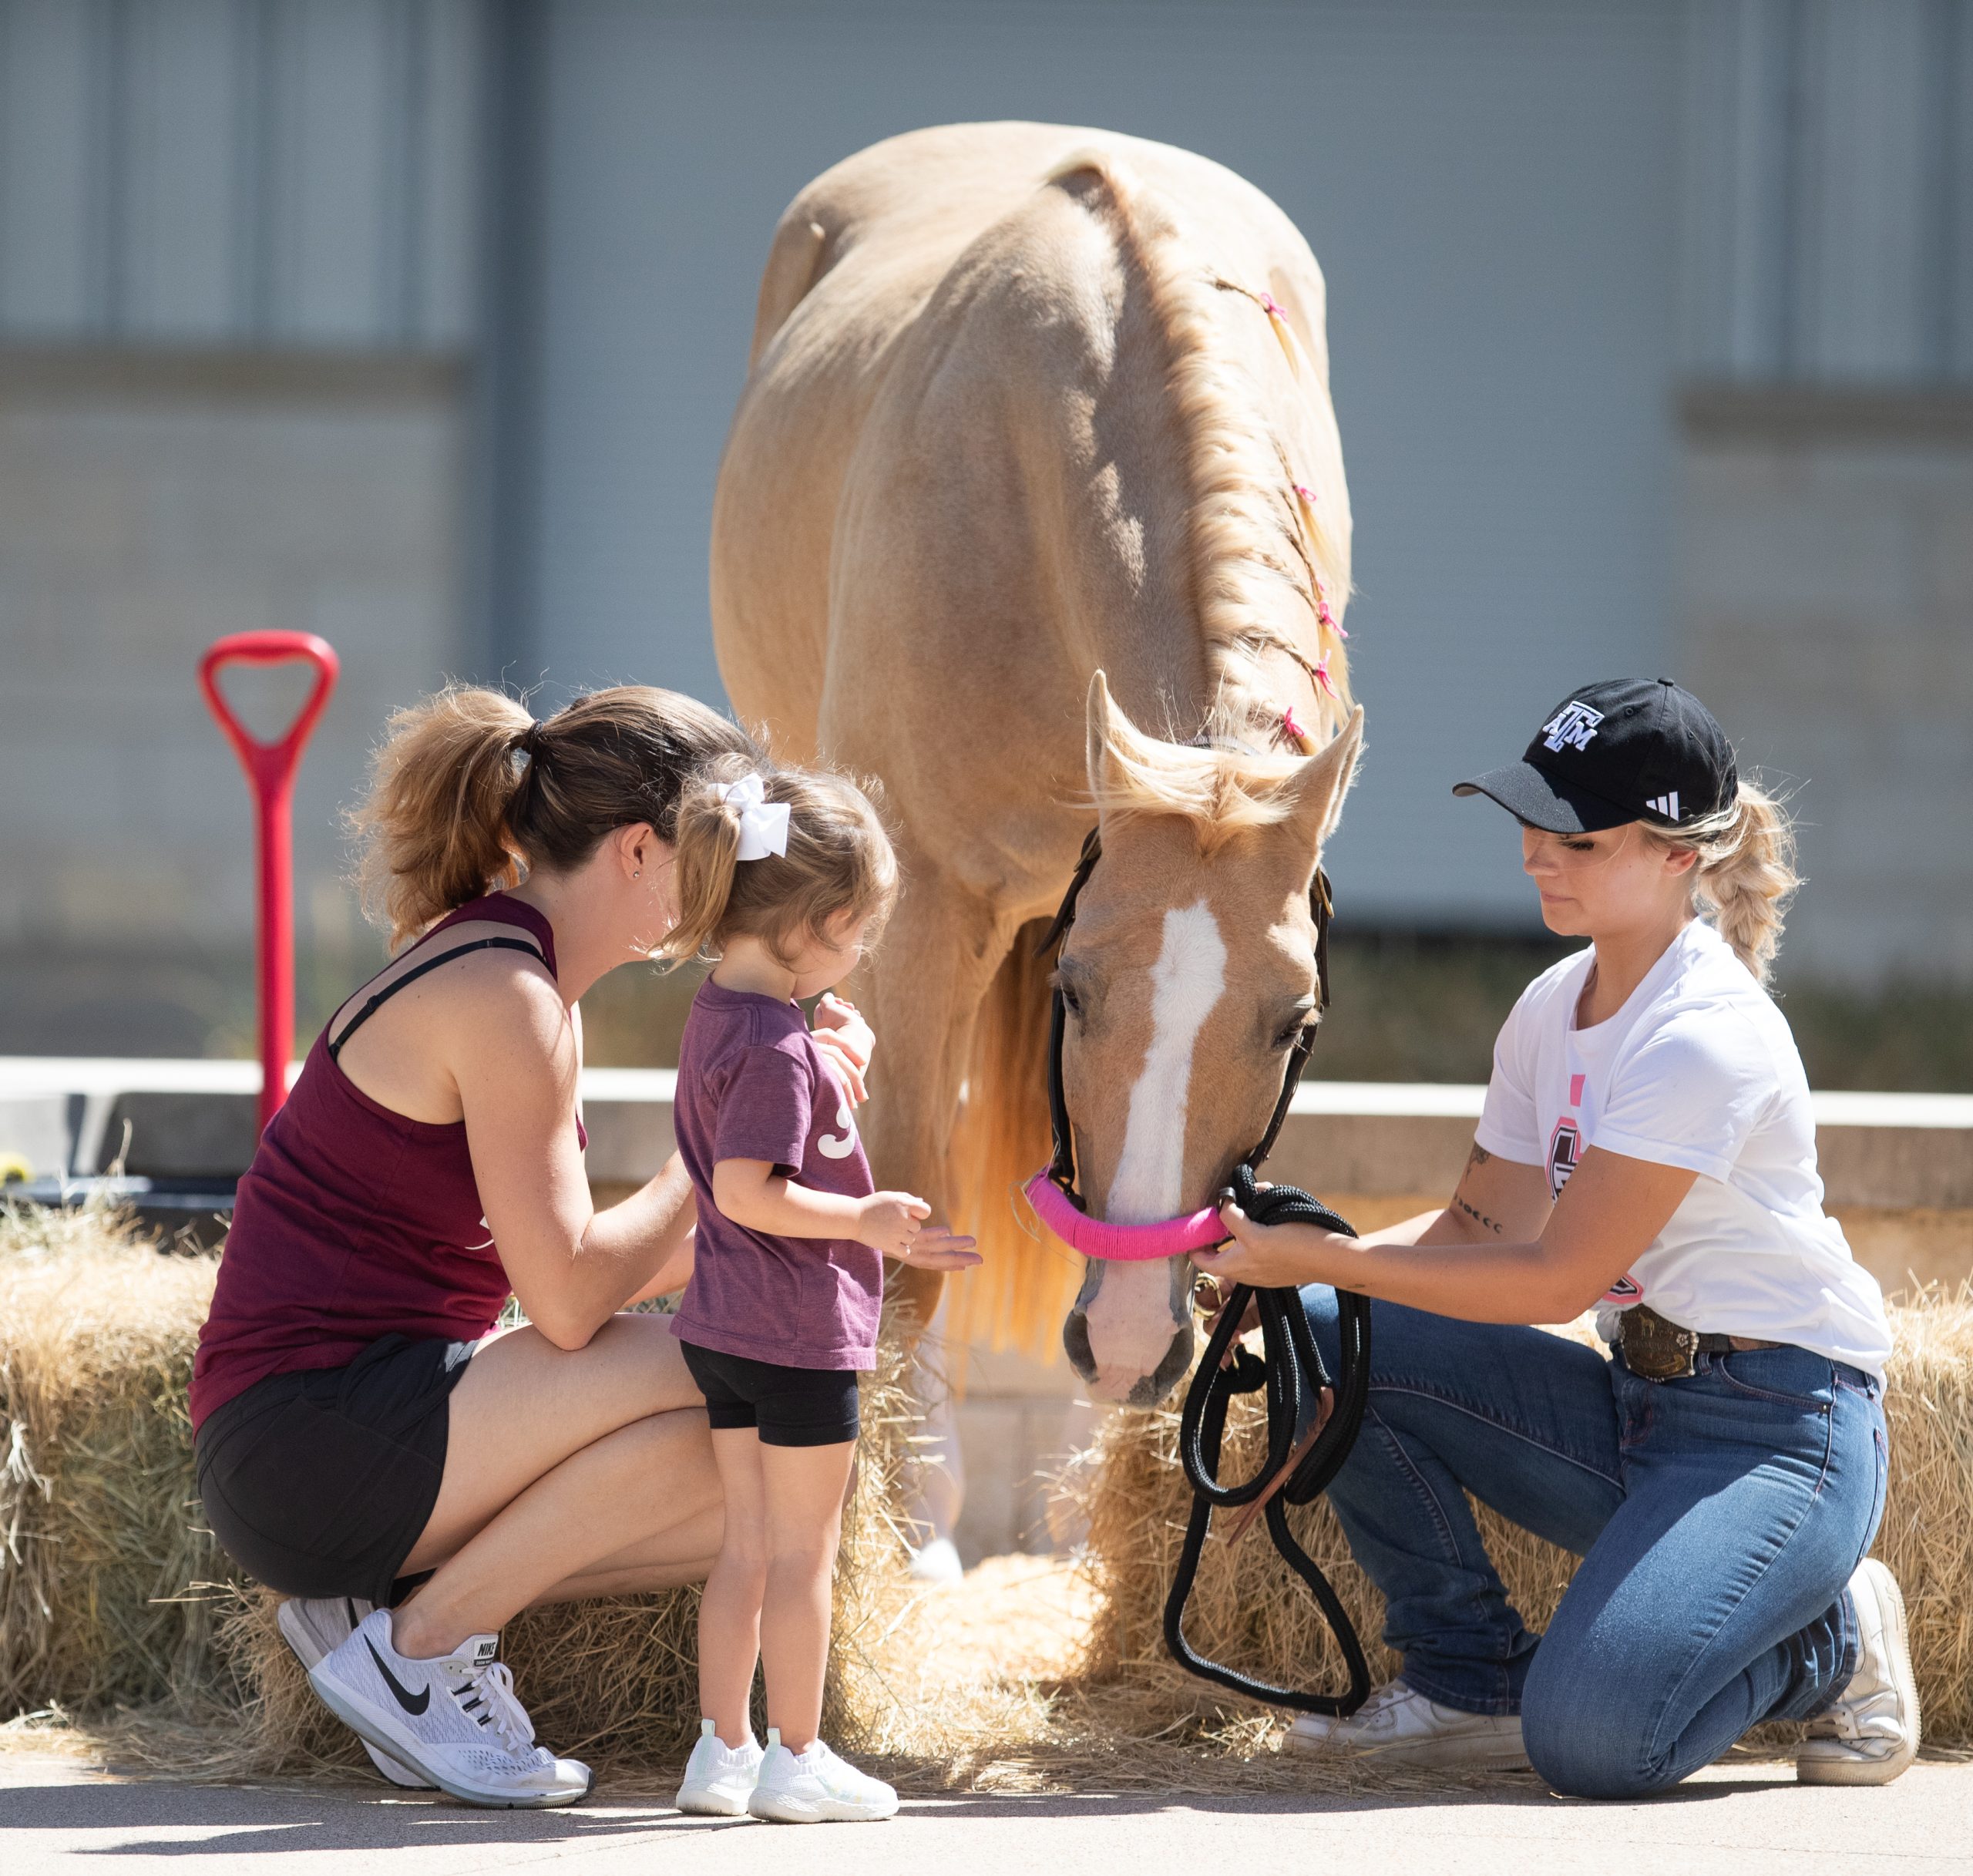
[753, 1085]
[352, 1222]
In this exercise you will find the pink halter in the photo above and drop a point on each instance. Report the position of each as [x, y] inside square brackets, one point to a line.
[1126, 1244]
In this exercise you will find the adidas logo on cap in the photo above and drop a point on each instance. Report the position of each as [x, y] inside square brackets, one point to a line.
[1666, 804]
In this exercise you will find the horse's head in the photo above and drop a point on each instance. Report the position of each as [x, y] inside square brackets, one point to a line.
[1187, 975]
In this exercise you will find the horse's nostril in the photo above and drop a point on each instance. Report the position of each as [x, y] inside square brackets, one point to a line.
[1075, 1344]
[1178, 1358]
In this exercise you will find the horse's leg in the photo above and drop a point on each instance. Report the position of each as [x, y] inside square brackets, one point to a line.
[937, 960]
[925, 989]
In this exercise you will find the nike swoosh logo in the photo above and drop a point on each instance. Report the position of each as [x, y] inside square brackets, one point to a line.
[413, 1704]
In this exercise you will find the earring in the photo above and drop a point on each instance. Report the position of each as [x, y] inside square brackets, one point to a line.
[639, 874]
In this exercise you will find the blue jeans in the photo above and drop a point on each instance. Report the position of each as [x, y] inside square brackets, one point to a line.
[1719, 1519]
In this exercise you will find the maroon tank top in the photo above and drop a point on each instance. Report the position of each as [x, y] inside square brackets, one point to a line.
[354, 1221]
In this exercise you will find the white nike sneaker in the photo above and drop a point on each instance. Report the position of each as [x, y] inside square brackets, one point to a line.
[314, 1626]
[816, 1786]
[1397, 1726]
[719, 1778]
[1871, 1734]
[454, 1720]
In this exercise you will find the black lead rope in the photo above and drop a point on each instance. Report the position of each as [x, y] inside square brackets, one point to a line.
[1290, 1360]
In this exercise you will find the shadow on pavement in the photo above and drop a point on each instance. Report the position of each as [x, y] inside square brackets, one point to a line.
[244, 1820]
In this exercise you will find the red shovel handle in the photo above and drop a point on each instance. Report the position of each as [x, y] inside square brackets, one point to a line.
[270, 766]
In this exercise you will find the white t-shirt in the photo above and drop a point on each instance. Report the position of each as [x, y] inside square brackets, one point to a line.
[1699, 1069]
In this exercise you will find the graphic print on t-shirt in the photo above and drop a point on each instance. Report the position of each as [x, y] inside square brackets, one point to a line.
[838, 1146]
[1565, 1146]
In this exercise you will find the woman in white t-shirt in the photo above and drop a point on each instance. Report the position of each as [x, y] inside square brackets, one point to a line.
[1648, 1149]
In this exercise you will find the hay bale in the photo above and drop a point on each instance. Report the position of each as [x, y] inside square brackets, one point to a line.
[1251, 1612]
[113, 1594]
[101, 1542]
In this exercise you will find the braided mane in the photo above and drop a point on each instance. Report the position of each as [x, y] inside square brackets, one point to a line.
[1269, 578]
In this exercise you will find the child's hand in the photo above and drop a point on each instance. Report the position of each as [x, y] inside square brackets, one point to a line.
[845, 1040]
[888, 1221]
[934, 1248]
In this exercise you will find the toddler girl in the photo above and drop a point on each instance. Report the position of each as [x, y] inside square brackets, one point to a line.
[785, 879]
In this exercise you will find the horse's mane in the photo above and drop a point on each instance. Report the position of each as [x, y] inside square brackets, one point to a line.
[1268, 577]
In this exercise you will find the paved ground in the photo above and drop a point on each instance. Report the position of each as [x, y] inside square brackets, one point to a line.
[1746, 1819]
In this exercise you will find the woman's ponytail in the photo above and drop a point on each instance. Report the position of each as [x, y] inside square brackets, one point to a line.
[1746, 873]
[468, 793]
[433, 832]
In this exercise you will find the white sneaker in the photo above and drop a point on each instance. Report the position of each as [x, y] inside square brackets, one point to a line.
[1871, 1734]
[816, 1786]
[314, 1626]
[719, 1778]
[938, 1563]
[1398, 1727]
[454, 1720]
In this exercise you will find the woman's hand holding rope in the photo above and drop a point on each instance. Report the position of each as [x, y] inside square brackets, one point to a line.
[1276, 1256]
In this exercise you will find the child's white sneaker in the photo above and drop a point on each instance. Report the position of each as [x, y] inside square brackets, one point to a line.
[1871, 1735]
[816, 1786]
[719, 1778]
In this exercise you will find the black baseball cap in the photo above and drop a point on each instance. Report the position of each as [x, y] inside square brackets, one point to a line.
[1628, 749]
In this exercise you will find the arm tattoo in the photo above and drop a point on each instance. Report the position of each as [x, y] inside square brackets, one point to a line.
[1478, 1157]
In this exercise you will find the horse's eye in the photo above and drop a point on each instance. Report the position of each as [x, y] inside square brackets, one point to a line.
[1293, 1033]
[1071, 1001]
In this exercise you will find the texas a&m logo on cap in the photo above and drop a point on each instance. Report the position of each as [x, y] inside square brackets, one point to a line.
[1574, 728]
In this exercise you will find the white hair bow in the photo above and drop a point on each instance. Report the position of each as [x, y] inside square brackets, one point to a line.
[763, 823]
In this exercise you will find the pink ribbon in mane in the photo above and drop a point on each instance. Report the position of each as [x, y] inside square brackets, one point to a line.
[1126, 1244]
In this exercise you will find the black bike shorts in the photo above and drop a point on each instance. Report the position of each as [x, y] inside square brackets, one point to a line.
[788, 1407]
[320, 1483]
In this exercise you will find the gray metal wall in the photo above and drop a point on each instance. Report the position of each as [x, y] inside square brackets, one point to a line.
[238, 172]
[1828, 207]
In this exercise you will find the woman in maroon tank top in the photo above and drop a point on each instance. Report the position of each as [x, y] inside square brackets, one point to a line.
[365, 1440]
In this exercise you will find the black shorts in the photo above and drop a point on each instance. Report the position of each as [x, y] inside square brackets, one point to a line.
[319, 1483]
[789, 1406]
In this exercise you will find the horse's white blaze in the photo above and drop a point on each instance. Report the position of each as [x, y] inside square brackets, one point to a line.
[1186, 981]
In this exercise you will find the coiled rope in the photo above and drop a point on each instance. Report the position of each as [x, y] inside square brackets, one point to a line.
[1298, 1467]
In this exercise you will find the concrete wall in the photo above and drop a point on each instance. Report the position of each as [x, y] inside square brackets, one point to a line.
[1827, 615]
[147, 505]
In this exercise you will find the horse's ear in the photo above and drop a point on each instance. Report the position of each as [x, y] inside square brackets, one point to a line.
[1105, 728]
[1318, 789]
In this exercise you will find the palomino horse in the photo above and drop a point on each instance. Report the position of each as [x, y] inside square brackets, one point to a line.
[1029, 405]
